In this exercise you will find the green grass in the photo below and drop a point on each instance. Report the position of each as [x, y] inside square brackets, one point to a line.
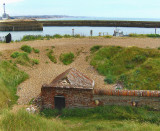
[36, 50]
[95, 48]
[116, 63]
[116, 118]
[10, 78]
[23, 121]
[35, 61]
[51, 56]
[26, 48]
[67, 58]
[145, 35]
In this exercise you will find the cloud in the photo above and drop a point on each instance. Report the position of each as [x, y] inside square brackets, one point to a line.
[10, 1]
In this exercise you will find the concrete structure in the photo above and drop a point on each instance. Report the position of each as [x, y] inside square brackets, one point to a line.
[73, 89]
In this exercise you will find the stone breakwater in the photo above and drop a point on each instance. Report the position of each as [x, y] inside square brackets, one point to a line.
[20, 25]
[102, 23]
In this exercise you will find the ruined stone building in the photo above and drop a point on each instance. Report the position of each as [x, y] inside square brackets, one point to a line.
[69, 89]
[73, 89]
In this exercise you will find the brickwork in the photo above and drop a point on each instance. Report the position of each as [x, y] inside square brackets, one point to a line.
[73, 97]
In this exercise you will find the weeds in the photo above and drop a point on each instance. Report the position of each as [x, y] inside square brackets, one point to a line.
[51, 56]
[67, 58]
[36, 50]
[26, 48]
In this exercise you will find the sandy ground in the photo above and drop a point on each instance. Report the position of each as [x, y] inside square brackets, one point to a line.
[46, 72]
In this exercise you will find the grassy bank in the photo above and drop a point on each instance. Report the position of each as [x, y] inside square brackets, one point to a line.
[10, 78]
[116, 118]
[137, 68]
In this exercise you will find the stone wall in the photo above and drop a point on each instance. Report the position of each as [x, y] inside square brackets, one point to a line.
[127, 97]
[73, 97]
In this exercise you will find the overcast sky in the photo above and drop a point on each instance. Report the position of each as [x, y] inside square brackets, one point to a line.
[99, 8]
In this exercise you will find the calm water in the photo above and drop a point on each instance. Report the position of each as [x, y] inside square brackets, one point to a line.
[17, 35]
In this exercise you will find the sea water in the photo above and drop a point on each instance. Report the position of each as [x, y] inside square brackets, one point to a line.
[83, 30]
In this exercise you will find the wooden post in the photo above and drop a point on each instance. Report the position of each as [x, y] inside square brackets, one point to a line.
[91, 33]
[72, 32]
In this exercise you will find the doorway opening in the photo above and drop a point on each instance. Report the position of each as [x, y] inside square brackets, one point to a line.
[59, 102]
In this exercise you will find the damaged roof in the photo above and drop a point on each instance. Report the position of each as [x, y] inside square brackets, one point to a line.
[72, 78]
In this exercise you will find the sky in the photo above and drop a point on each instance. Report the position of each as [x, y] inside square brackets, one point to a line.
[93, 8]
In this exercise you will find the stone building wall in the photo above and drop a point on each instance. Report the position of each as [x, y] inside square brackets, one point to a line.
[74, 97]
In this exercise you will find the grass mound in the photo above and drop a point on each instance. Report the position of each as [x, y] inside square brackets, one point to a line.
[144, 77]
[10, 78]
[24, 121]
[67, 58]
[26, 48]
[113, 61]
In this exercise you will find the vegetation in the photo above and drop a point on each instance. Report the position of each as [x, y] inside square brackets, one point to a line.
[51, 56]
[26, 48]
[67, 58]
[95, 48]
[10, 78]
[137, 68]
[36, 50]
[24, 121]
[117, 118]
[35, 61]
[145, 35]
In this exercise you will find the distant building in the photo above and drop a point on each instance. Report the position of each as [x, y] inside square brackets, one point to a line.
[5, 16]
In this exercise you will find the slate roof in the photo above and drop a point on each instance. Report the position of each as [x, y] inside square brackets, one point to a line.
[72, 78]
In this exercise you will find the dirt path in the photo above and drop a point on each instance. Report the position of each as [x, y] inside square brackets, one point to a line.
[139, 42]
[45, 72]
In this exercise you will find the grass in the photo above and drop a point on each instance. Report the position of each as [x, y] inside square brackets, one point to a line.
[116, 118]
[24, 121]
[35, 61]
[144, 35]
[67, 58]
[26, 48]
[51, 56]
[118, 63]
[95, 48]
[48, 37]
[10, 78]
[35, 50]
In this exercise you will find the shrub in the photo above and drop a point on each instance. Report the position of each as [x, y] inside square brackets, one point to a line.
[57, 36]
[67, 36]
[95, 48]
[67, 58]
[36, 50]
[108, 36]
[26, 48]
[15, 54]
[51, 56]
[35, 61]
[158, 48]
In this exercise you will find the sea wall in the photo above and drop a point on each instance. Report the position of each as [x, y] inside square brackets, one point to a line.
[147, 24]
[21, 26]
[127, 98]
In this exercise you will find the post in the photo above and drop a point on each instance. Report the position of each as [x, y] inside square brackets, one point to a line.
[91, 33]
[72, 32]
[99, 33]
[155, 31]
